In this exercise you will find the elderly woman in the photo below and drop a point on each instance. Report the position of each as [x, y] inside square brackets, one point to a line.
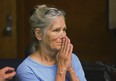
[51, 58]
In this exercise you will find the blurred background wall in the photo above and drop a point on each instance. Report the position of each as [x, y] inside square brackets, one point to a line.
[87, 23]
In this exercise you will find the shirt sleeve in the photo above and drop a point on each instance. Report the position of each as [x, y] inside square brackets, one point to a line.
[78, 68]
[26, 74]
[26, 77]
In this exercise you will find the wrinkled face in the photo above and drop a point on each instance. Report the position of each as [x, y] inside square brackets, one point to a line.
[55, 33]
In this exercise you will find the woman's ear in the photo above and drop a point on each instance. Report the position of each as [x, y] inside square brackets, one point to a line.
[38, 34]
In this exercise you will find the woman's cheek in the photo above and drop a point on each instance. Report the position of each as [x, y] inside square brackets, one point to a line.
[55, 37]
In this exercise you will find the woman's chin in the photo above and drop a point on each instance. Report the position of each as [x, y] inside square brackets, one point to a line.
[58, 49]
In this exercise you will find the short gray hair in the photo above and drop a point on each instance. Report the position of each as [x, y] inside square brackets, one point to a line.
[42, 16]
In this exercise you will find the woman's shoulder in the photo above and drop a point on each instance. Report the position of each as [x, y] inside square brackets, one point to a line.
[24, 65]
[74, 56]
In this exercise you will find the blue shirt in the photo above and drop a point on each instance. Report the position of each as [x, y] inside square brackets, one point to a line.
[30, 70]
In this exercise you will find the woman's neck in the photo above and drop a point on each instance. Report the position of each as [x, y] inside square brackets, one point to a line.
[44, 57]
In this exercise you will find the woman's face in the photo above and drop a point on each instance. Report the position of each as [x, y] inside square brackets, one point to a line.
[55, 33]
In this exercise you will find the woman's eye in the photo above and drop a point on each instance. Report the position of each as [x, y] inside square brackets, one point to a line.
[56, 30]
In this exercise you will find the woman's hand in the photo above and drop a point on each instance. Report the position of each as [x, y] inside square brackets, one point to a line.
[64, 56]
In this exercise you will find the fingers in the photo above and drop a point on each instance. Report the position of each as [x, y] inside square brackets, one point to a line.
[71, 49]
[9, 72]
[66, 46]
[64, 56]
[10, 75]
[9, 69]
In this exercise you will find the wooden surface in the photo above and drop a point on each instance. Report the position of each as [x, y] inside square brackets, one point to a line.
[87, 28]
[8, 42]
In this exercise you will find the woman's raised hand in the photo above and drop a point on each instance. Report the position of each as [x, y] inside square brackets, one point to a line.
[64, 56]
